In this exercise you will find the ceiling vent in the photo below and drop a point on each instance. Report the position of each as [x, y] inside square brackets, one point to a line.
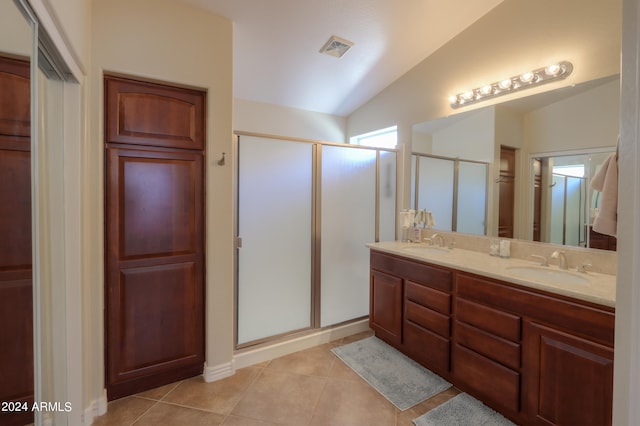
[336, 46]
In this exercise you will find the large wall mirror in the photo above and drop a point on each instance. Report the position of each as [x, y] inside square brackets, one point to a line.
[33, 288]
[560, 138]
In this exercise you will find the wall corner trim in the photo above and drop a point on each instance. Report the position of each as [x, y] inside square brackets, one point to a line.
[220, 371]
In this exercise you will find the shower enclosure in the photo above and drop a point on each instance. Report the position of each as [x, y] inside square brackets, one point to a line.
[306, 210]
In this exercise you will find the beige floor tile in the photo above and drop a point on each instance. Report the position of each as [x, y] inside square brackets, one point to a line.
[314, 361]
[281, 397]
[124, 412]
[340, 370]
[245, 421]
[349, 402]
[158, 393]
[173, 415]
[219, 396]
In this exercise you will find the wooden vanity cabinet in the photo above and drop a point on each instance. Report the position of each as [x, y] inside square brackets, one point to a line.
[411, 308]
[565, 346]
[537, 357]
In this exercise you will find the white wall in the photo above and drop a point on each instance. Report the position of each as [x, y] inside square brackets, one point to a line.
[589, 119]
[167, 41]
[512, 38]
[626, 380]
[276, 120]
[470, 139]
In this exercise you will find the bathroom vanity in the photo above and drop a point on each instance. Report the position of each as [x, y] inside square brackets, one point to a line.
[535, 344]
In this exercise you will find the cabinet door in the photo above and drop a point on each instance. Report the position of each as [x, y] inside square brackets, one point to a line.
[569, 379]
[385, 316]
[155, 268]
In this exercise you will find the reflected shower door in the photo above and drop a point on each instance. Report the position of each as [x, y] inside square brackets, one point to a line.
[275, 181]
[435, 190]
[472, 196]
[575, 211]
[557, 209]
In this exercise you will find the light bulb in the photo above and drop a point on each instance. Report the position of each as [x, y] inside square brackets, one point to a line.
[527, 77]
[505, 84]
[486, 89]
[453, 99]
[552, 69]
[468, 95]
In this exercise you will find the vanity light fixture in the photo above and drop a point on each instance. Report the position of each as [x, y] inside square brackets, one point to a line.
[539, 76]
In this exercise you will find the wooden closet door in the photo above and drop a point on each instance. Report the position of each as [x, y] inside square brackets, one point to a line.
[16, 312]
[506, 191]
[155, 256]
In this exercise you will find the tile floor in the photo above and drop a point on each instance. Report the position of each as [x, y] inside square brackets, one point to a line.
[311, 387]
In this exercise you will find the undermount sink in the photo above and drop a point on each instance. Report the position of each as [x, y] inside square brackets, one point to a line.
[426, 249]
[546, 274]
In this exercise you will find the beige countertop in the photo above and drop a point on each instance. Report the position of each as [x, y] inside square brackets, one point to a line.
[600, 288]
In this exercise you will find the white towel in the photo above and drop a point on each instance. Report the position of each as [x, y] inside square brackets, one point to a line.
[606, 181]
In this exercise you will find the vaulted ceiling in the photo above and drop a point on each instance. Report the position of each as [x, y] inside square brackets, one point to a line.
[276, 46]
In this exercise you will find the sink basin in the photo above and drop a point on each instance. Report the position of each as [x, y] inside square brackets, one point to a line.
[546, 274]
[426, 249]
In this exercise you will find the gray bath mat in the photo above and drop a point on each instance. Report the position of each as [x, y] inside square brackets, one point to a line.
[462, 410]
[398, 378]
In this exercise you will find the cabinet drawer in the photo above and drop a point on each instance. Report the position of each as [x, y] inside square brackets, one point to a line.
[411, 270]
[426, 347]
[429, 297]
[493, 347]
[427, 318]
[595, 323]
[486, 378]
[496, 322]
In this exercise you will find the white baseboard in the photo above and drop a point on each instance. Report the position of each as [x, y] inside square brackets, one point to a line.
[97, 408]
[211, 374]
[246, 358]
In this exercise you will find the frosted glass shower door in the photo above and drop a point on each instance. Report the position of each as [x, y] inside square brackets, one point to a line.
[275, 222]
[348, 223]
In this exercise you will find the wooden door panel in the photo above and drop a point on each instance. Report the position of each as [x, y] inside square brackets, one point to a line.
[386, 306]
[15, 210]
[159, 316]
[570, 378]
[15, 102]
[16, 306]
[155, 274]
[16, 368]
[157, 203]
[155, 115]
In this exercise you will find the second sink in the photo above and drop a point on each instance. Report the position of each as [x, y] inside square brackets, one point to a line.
[426, 249]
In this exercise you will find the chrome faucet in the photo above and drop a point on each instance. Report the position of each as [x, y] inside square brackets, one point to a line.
[437, 237]
[562, 259]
